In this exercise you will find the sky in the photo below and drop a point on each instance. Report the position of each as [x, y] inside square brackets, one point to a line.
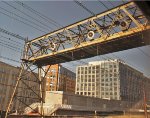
[64, 13]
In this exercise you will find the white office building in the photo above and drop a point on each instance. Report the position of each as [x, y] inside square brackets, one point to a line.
[110, 79]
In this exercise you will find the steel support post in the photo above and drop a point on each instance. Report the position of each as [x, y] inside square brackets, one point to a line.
[41, 92]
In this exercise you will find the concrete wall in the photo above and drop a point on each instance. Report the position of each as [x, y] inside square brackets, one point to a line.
[92, 102]
[53, 97]
[89, 103]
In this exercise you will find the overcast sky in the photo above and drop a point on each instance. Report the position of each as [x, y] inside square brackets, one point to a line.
[64, 13]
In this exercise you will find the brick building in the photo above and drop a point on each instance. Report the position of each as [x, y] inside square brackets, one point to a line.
[111, 79]
[60, 79]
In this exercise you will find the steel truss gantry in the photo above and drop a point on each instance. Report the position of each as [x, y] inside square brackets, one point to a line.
[89, 37]
[28, 85]
[120, 28]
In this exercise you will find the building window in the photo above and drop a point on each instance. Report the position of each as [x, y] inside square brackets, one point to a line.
[115, 79]
[102, 88]
[77, 92]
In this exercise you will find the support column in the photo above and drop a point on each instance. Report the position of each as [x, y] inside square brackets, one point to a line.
[41, 92]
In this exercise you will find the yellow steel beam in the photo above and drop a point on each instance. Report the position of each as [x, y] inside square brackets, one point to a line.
[122, 21]
[99, 40]
[82, 22]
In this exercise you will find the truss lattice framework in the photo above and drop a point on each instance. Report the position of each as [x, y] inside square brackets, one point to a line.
[118, 29]
[116, 23]
[29, 90]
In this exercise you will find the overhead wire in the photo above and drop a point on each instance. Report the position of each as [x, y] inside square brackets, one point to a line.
[108, 14]
[6, 46]
[21, 21]
[13, 48]
[15, 18]
[10, 47]
[23, 18]
[12, 43]
[113, 54]
[75, 1]
[87, 52]
[27, 15]
[119, 57]
[111, 3]
[94, 14]
[36, 12]
[84, 7]
[9, 59]
[139, 47]
[129, 91]
[103, 4]
[88, 10]
[12, 34]
[6, 58]
[11, 6]
[39, 14]
[32, 10]
[123, 1]
[19, 43]
[141, 71]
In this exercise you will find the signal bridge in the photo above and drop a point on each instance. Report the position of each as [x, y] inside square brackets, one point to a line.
[120, 28]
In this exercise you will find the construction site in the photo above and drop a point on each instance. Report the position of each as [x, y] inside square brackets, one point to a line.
[42, 87]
